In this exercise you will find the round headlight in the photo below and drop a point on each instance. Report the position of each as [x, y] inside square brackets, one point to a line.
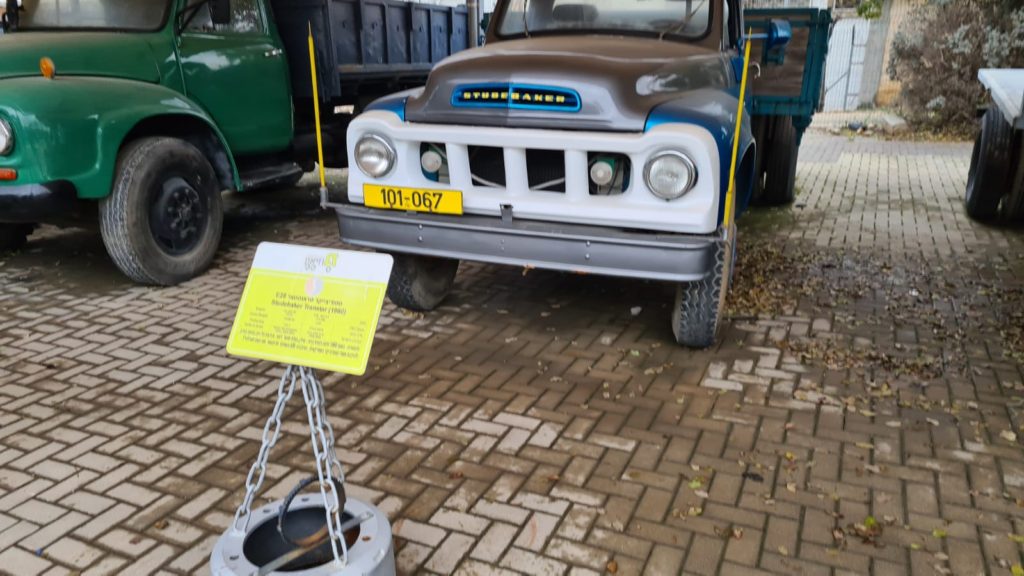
[670, 175]
[6, 138]
[375, 155]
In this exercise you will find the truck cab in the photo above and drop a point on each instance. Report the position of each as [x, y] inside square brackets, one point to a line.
[589, 136]
[139, 113]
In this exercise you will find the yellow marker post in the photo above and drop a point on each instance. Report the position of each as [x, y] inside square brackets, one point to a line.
[730, 196]
[316, 115]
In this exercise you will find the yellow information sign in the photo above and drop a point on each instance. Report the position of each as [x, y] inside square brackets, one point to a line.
[311, 307]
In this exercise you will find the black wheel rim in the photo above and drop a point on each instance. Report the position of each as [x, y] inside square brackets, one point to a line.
[178, 216]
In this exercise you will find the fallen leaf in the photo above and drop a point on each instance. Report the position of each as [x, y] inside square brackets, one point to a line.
[783, 550]
[695, 484]
[701, 494]
[694, 511]
[754, 476]
[613, 567]
[790, 456]
[456, 475]
[160, 524]
[939, 533]
[791, 486]
[1017, 570]
[932, 421]
[1008, 435]
[1016, 538]
[866, 445]
[873, 468]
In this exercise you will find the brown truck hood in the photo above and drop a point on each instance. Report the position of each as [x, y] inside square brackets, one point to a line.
[619, 80]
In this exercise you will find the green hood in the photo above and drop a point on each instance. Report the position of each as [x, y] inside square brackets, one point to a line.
[78, 54]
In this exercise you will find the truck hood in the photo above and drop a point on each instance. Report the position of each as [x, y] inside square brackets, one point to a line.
[78, 54]
[566, 82]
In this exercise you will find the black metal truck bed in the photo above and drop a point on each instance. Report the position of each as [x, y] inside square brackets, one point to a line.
[366, 40]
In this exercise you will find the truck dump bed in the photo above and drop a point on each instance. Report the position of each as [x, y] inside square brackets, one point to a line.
[360, 41]
[794, 87]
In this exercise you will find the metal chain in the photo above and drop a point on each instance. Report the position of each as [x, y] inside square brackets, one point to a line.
[322, 437]
[285, 388]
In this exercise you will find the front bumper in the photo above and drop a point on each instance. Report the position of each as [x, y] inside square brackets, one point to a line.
[554, 246]
[32, 203]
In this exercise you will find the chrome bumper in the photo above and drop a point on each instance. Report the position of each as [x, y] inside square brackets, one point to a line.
[554, 246]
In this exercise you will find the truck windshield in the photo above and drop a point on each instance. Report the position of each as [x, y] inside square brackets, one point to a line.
[688, 19]
[125, 15]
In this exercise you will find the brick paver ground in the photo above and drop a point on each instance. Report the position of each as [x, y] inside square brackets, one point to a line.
[861, 414]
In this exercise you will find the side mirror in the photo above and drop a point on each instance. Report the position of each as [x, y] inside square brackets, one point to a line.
[220, 12]
[780, 32]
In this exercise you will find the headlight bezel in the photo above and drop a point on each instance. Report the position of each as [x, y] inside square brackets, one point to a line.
[6, 138]
[666, 154]
[392, 154]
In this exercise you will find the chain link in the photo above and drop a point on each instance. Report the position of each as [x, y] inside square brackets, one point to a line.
[321, 434]
[322, 438]
[285, 389]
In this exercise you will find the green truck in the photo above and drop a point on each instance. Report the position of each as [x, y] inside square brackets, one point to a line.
[138, 114]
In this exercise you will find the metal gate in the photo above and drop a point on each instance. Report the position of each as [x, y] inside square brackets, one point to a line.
[844, 69]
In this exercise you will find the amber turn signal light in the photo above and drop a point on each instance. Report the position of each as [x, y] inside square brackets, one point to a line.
[8, 174]
[47, 68]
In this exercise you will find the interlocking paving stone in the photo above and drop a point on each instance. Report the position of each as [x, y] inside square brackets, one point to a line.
[537, 423]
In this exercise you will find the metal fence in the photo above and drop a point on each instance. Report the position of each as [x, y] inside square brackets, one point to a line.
[844, 69]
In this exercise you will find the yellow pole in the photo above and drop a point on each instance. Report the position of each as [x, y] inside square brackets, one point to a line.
[730, 197]
[316, 114]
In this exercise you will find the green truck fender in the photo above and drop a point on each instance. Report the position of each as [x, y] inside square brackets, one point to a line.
[72, 128]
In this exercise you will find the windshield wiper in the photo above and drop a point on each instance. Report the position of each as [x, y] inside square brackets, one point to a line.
[683, 23]
[526, 25]
[11, 16]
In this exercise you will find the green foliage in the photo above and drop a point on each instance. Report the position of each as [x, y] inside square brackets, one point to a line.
[870, 9]
[940, 48]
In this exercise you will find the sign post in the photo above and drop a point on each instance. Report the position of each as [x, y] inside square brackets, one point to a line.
[308, 308]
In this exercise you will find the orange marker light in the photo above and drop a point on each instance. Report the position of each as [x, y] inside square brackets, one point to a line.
[47, 68]
[8, 174]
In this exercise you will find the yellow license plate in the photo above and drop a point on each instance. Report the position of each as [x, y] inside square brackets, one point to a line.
[414, 199]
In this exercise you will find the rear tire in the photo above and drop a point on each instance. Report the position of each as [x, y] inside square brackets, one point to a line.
[1011, 209]
[991, 167]
[162, 222]
[780, 162]
[700, 305]
[421, 283]
[14, 236]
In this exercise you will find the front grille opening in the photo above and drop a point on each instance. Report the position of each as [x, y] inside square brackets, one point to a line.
[545, 170]
[429, 152]
[487, 166]
[604, 164]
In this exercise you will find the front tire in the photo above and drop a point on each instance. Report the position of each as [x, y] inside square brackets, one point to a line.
[162, 222]
[14, 236]
[421, 283]
[991, 167]
[700, 305]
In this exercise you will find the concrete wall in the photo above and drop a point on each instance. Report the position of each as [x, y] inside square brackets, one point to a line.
[889, 90]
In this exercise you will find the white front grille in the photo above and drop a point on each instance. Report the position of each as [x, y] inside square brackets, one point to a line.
[637, 208]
